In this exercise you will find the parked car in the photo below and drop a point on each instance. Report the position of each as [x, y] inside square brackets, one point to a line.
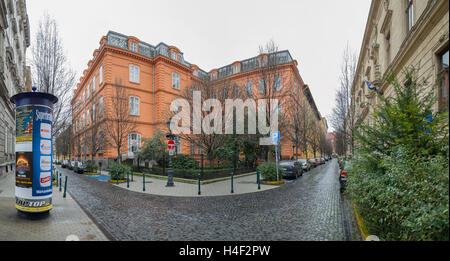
[323, 160]
[319, 161]
[314, 162]
[291, 169]
[79, 167]
[65, 164]
[306, 164]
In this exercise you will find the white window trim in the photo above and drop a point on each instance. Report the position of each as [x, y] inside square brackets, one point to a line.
[134, 106]
[134, 73]
[138, 138]
[100, 75]
[175, 81]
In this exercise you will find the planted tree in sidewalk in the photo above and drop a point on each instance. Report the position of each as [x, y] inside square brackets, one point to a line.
[118, 120]
[399, 176]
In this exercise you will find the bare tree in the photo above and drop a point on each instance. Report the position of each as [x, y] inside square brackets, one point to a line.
[342, 118]
[118, 122]
[51, 71]
[95, 132]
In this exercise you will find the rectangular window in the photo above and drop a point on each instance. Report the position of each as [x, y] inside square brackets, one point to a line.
[134, 73]
[93, 84]
[236, 68]
[134, 106]
[87, 117]
[262, 86]
[133, 46]
[100, 106]
[196, 72]
[263, 61]
[214, 76]
[409, 14]
[100, 80]
[248, 86]
[235, 91]
[6, 139]
[134, 142]
[192, 147]
[175, 81]
[388, 49]
[93, 112]
[280, 108]
[277, 83]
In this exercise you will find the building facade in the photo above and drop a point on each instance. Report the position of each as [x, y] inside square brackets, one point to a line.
[400, 34]
[14, 41]
[151, 77]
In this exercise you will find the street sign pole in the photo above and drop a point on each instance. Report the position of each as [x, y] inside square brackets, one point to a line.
[275, 138]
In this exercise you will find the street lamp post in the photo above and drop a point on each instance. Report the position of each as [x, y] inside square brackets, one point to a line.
[170, 136]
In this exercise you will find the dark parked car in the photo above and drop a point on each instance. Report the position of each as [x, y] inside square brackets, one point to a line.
[306, 164]
[291, 169]
[65, 164]
[79, 167]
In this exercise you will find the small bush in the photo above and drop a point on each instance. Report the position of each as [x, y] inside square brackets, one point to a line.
[115, 169]
[91, 167]
[268, 171]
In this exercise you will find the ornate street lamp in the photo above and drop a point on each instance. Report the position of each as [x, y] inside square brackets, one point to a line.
[170, 136]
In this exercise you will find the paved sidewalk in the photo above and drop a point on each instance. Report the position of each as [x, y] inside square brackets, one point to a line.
[154, 186]
[65, 219]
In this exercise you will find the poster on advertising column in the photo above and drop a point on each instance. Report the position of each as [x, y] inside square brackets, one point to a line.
[42, 151]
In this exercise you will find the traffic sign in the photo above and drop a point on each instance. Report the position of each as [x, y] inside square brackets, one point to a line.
[171, 145]
[275, 137]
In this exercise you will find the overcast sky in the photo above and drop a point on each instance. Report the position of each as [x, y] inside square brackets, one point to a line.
[212, 34]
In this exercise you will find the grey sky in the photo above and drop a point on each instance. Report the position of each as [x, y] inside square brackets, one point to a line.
[212, 34]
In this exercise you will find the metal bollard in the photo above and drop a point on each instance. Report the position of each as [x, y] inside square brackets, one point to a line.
[131, 175]
[65, 187]
[199, 192]
[128, 179]
[57, 175]
[60, 183]
[143, 181]
[258, 179]
[232, 180]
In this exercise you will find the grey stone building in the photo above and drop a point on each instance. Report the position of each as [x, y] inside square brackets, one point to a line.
[14, 74]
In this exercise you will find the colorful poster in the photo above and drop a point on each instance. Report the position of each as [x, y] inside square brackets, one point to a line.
[24, 123]
[42, 149]
[24, 169]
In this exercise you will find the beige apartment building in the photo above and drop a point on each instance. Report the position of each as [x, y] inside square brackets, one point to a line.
[401, 33]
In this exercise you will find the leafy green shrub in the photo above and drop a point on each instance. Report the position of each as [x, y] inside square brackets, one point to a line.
[115, 169]
[268, 171]
[402, 197]
[179, 161]
[399, 178]
[91, 167]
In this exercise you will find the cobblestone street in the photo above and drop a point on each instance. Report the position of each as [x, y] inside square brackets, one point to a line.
[309, 208]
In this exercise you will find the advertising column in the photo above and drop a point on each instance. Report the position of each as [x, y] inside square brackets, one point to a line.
[33, 188]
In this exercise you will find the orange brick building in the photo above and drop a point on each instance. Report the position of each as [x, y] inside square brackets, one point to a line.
[152, 77]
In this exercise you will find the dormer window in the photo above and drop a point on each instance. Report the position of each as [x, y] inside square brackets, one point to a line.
[175, 56]
[133, 46]
[263, 61]
[214, 76]
[236, 68]
[196, 72]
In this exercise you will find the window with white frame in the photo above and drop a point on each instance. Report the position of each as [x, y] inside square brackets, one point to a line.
[174, 56]
[175, 81]
[87, 117]
[6, 139]
[177, 144]
[192, 147]
[280, 108]
[134, 73]
[134, 142]
[236, 68]
[133, 46]
[196, 72]
[93, 85]
[214, 76]
[409, 14]
[100, 75]
[134, 106]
